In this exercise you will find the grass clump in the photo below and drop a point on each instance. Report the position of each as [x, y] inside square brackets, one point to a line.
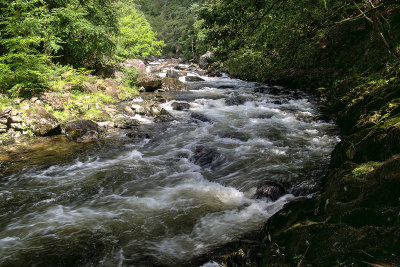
[366, 168]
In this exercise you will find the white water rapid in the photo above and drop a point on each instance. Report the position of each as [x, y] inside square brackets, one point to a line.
[144, 202]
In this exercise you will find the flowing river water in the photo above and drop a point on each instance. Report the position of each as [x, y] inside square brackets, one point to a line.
[126, 202]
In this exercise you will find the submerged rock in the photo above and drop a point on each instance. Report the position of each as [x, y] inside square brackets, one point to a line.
[180, 106]
[205, 157]
[82, 131]
[193, 79]
[164, 116]
[271, 191]
[138, 135]
[199, 117]
[234, 100]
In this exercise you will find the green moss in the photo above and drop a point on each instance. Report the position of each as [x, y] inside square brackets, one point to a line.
[5, 101]
[366, 168]
[127, 92]
[96, 115]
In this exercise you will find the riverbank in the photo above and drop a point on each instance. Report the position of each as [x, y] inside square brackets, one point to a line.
[355, 220]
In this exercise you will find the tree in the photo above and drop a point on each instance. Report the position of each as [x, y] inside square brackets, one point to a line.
[136, 38]
[270, 40]
[84, 30]
[23, 65]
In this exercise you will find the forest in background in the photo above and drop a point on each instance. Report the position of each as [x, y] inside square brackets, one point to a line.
[41, 39]
[345, 52]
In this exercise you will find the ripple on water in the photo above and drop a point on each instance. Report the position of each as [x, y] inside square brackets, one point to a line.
[123, 202]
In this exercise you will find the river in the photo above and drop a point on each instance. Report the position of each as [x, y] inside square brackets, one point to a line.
[143, 202]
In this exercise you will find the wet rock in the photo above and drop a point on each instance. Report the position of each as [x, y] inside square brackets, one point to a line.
[138, 109]
[214, 73]
[155, 111]
[129, 110]
[199, 117]
[180, 106]
[172, 84]
[193, 79]
[53, 100]
[182, 155]
[125, 122]
[172, 74]
[164, 116]
[205, 157]
[41, 122]
[150, 82]
[271, 191]
[82, 131]
[277, 102]
[138, 135]
[234, 100]
[226, 87]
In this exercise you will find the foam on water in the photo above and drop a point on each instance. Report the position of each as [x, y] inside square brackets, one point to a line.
[145, 202]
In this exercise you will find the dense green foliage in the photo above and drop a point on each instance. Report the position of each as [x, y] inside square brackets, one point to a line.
[22, 61]
[81, 33]
[178, 25]
[280, 40]
[136, 38]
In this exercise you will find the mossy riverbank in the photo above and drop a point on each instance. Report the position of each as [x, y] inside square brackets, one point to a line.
[355, 220]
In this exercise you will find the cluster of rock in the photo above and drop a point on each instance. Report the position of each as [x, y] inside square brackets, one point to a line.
[35, 116]
[30, 118]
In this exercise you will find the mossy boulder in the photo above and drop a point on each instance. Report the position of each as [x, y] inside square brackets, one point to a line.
[41, 122]
[82, 131]
[150, 82]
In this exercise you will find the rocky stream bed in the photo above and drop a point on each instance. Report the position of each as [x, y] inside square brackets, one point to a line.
[173, 177]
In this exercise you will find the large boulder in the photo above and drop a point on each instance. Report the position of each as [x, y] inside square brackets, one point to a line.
[172, 84]
[150, 82]
[82, 131]
[40, 122]
[204, 60]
